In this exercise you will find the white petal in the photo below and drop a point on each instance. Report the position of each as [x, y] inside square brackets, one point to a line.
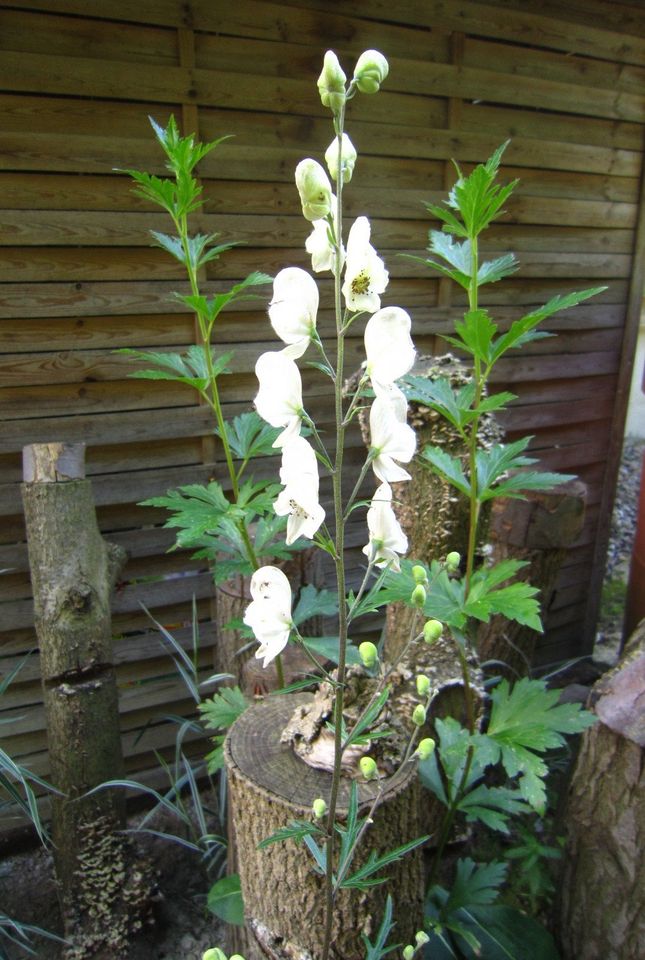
[279, 398]
[294, 306]
[365, 273]
[388, 345]
[387, 539]
[389, 433]
[299, 499]
[269, 613]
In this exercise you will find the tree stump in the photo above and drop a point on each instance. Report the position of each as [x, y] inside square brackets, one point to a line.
[602, 896]
[284, 902]
[538, 530]
[73, 571]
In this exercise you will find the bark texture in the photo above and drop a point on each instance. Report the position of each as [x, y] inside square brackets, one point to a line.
[539, 531]
[283, 896]
[73, 571]
[602, 904]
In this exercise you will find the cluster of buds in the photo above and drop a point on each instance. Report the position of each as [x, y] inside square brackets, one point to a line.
[369, 73]
[420, 941]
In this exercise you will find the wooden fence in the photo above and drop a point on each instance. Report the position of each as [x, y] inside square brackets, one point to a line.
[78, 79]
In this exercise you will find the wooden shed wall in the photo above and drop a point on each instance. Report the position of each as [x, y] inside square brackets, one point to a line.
[78, 78]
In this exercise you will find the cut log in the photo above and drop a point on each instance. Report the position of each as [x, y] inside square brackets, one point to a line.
[73, 571]
[283, 895]
[539, 531]
[602, 895]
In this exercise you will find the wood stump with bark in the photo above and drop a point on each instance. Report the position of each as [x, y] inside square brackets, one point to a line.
[538, 530]
[73, 571]
[284, 900]
[602, 890]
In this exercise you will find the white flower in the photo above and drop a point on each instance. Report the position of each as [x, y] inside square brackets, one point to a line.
[391, 436]
[347, 158]
[331, 83]
[314, 189]
[269, 613]
[293, 309]
[299, 499]
[388, 345]
[320, 245]
[370, 71]
[279, 399]
[387, 539]
[365, 274]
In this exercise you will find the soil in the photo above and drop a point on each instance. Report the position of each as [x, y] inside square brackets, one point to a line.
[181, 927]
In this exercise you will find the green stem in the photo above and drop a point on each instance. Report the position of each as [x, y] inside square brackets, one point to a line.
[339, 560]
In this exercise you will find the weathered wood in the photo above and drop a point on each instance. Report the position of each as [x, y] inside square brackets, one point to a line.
[537, 531]
[271, 786]
[605, 822]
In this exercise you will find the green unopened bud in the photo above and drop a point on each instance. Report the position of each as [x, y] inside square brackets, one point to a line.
[453, 560]
[319, 808]
[368, 653]
[368, 768]
[422, 938]
[408, 952]
[370, 71]
[214, 954]
[420, 574]
[314, 189]
[347, 158]
[418, 597]
[423, 685]
[236, 956]
[425, 748]
[419, 715]
[331, 83]
[432, 630]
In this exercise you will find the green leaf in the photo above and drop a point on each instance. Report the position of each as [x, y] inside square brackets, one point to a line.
[369, 718]
[505, 933]
[476, 333]
[475, 884]
[220, 711]
[364, 877]
[447, 467]
[225, 900]
[313, 602]
[492, 806]
[376, 950]
[249, 436]
[297, 830]
[319, 855]
[493, 270]
[521, 331]
[327, 649]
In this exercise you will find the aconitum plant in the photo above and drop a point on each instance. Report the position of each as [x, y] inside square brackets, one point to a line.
[450, 596]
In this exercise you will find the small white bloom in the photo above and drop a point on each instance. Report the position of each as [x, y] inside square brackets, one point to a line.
[299, 499]
[370, 71]
[388, 345]
[314, 189]
[347, 158]
[331, 83]
[387, 539]
[319, 245]
[269, 613]
[279, 399]
[365, 273]
[293, 309]
[392, 438]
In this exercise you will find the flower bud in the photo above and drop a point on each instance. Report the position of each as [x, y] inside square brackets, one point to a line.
[314, 189]
[347, 158]
[453, 560]
[421, 938]
[432, 630]
[423, 685]
[418, 597]
[331, 83]
[236, 956]
[408, 952]
[420, 574]
[370, 71]
[419, 715]
[425, 748]
[214, 954]
[319, 808]
[368, 768]
[368, 653]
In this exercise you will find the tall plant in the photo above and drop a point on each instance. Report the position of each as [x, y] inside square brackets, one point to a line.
[450, 595]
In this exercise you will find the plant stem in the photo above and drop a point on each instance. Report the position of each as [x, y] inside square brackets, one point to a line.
[339, 559]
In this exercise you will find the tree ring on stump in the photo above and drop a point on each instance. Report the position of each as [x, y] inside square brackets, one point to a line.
[270, 786]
